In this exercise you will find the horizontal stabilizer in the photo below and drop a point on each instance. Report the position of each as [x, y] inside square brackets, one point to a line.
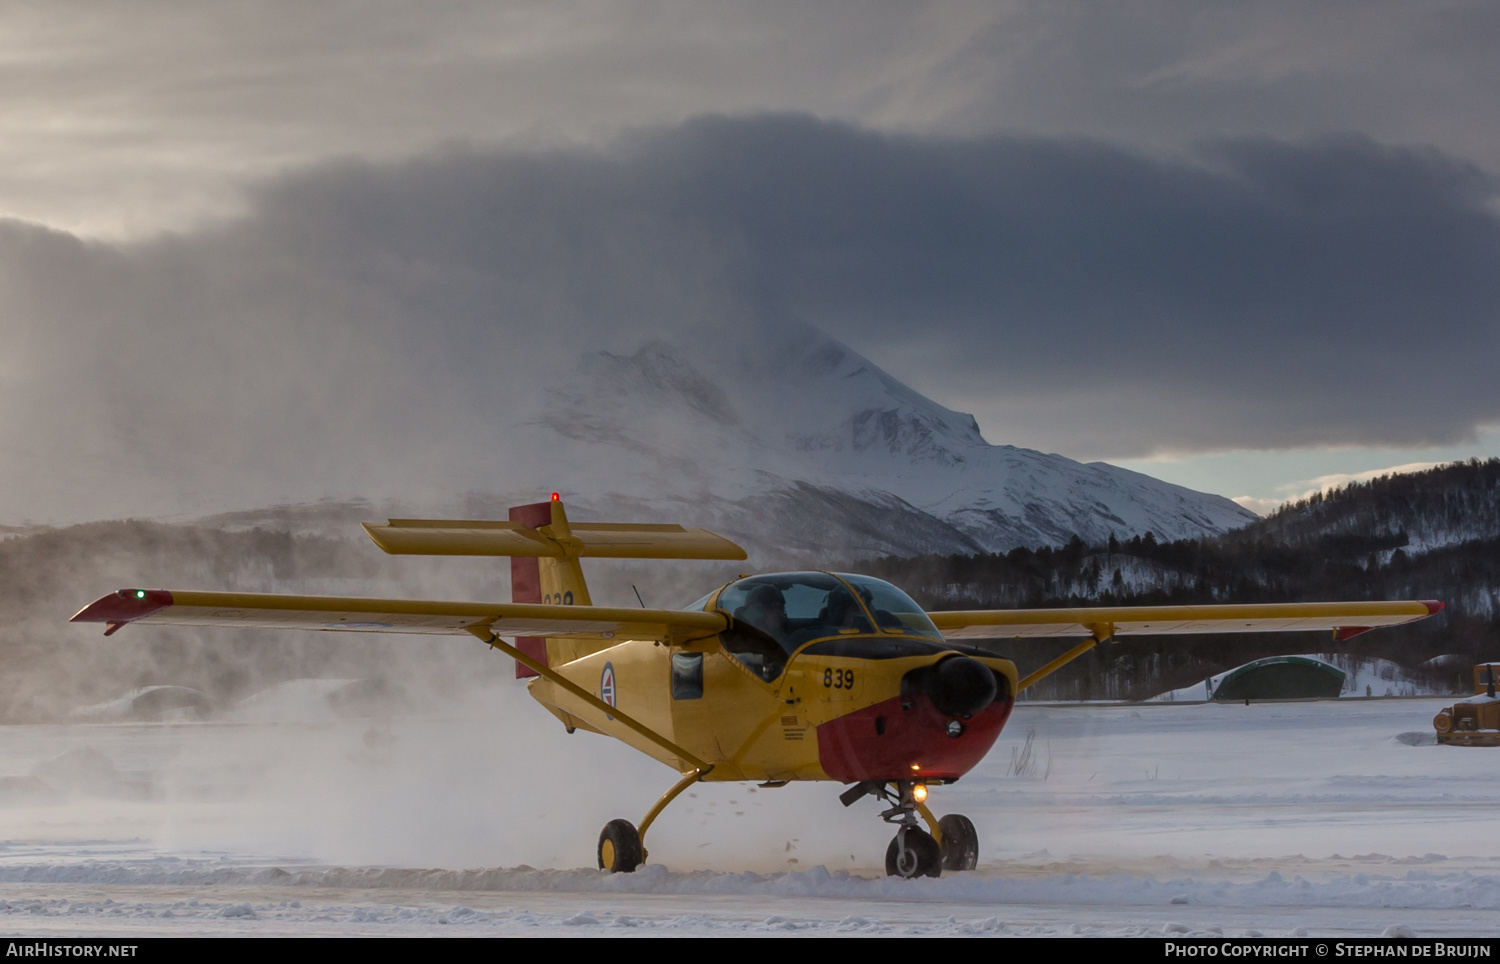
[603, 540]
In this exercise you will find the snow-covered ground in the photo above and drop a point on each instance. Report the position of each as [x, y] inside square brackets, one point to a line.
[1338, 818]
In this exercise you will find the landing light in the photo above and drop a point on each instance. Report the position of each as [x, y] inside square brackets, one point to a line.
[919, 793]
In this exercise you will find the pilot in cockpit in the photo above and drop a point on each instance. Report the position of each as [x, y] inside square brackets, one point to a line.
[842, 612]
[765, 609]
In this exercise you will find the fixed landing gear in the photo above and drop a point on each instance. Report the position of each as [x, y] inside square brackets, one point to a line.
[960, 842]
[952, 844]
[620, 850]
[913, 853]
[948, 844]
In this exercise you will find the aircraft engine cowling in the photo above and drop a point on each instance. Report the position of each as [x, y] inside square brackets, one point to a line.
[911, 735]
[958, 685]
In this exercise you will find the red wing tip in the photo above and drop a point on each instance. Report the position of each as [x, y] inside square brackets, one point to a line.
[123, 606]
[1433, 606]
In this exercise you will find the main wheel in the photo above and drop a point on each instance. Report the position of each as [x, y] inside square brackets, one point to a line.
[619, 847]
[960, 842]
[913, 853]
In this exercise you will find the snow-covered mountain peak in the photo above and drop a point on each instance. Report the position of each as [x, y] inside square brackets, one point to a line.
[608, 389]
[857, 407]
[797, 415]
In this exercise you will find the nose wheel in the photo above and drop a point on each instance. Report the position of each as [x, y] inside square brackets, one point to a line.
[952, 845]
[913, 853]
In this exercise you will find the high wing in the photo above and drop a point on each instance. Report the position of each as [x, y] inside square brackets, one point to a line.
[354, 614]
[1346, 618]
[358, 614]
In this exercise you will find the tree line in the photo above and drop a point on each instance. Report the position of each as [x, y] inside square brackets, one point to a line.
[1424, 535]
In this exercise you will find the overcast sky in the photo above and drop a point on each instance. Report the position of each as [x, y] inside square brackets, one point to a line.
[1257, 239]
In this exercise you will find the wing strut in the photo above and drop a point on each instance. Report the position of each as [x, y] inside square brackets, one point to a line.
[541, 669]
[1103, 633]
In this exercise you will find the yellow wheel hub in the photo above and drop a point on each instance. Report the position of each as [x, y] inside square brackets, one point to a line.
[607, 854]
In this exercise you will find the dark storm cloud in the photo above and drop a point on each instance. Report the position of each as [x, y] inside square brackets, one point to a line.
[368, 327]
[125, 120]
[1266, 295]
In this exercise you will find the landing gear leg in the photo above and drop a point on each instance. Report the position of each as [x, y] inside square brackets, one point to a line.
[622, 847]
[914, 852]
[956, 838]
[952, 844]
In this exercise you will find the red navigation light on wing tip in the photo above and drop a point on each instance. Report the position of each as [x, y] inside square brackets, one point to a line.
[554, 497]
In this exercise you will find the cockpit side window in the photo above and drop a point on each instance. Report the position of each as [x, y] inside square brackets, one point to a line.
[756, 651]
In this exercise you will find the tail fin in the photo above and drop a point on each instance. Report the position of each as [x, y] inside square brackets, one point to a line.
[544, 580]
[550, 580]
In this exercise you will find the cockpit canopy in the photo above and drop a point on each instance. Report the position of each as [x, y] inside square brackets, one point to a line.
[776, 614]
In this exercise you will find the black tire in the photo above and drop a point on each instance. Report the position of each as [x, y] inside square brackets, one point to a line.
[960, 842]
[619, 847]
[923, 858]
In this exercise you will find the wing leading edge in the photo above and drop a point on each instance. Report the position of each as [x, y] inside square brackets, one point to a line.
[358, 614]
[1345, 618]
[355, 614]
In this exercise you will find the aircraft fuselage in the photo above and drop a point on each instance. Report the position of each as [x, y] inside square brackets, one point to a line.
[826, 716]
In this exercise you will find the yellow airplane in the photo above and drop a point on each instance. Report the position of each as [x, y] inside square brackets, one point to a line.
[770, 678]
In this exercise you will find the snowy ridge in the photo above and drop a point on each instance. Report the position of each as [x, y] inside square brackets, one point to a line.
[1419, 512]
[804, 417]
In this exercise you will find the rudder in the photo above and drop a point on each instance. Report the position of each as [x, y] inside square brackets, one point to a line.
[545, 580]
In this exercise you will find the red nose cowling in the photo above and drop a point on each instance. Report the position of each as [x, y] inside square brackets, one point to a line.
[906, 737]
